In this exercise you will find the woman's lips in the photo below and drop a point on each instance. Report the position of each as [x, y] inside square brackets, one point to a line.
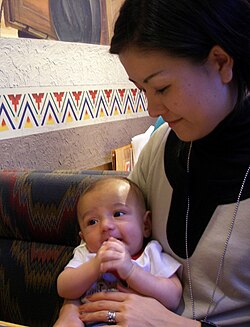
[173, 123]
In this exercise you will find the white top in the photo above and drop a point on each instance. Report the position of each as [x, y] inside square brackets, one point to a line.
[232, 296]
[152, 260]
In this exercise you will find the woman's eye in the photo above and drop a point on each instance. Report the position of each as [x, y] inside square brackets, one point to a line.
[162, 90]
[119, 213]
[141, 90]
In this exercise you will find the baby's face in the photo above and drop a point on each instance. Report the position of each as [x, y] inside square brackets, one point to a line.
[111, 209]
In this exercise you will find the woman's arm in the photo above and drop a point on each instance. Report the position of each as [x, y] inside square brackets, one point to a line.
[132, 310]
[73, 282]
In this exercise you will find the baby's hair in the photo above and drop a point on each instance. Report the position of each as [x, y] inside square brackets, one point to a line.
[134, 187]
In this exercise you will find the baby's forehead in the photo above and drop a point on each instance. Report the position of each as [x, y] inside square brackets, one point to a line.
[106, 183]
[116, 185]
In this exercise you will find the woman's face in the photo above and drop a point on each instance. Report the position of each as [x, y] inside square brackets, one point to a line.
[193, 98]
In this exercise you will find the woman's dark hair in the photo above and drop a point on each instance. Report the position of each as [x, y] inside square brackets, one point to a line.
[188, 28]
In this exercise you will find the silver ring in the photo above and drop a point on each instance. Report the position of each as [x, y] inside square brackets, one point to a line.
[111, 315]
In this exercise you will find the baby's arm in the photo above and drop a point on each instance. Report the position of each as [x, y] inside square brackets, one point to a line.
[114, 256]
[69, 315]
[168, 291]
[74, 282]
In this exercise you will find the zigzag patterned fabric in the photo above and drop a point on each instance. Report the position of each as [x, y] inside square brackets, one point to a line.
[38, 231]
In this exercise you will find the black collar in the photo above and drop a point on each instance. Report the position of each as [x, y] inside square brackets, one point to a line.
[218, 164]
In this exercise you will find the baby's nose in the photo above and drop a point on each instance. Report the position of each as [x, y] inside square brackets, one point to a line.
[107, 223]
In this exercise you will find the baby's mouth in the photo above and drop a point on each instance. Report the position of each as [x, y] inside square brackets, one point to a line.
[117, 238]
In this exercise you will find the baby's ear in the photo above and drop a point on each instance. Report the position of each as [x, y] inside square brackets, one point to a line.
[147, 221]
[81, 236]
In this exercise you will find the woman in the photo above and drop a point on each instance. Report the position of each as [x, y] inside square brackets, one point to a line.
[191, 58]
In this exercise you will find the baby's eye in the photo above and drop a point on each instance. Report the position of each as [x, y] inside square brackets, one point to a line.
[91, 222]
[119, 213]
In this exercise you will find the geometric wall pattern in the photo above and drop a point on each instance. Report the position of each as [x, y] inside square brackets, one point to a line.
[24, 113]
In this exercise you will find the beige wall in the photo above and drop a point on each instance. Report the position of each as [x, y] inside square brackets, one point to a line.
[29, 66]
[77, 148]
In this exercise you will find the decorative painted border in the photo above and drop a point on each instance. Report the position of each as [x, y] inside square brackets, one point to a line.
[25, 113]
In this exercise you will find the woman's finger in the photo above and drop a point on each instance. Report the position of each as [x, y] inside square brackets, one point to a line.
[109, 316]
[99, 306]
[111, 296]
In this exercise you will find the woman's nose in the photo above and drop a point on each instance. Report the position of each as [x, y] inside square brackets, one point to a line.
[155, 107]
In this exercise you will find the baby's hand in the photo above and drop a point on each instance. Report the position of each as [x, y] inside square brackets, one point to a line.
[114, 256]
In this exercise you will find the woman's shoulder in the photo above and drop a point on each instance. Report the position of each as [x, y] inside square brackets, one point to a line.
[151, 156]
[157, 140]
[161, 131]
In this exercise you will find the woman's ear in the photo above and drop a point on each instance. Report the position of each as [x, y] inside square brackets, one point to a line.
[147, 224]
[223, 61]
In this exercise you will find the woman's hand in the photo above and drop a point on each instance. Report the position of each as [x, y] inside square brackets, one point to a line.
[131, 310]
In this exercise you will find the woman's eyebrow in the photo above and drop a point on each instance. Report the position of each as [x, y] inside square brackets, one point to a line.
[146, 80]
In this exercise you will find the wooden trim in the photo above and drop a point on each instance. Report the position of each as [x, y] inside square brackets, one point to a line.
[8, 324]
